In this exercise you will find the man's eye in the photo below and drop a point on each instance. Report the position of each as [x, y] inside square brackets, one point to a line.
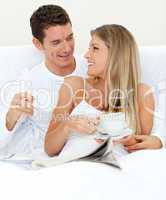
[55, 43]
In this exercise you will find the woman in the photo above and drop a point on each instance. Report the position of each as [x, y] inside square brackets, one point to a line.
[113, 87]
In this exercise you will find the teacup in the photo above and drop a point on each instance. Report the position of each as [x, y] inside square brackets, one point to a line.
[114, 124]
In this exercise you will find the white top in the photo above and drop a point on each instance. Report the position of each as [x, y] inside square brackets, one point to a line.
[29, 133]
[114, 124]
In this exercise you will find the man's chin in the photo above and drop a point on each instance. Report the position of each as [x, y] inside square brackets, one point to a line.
[65, 64]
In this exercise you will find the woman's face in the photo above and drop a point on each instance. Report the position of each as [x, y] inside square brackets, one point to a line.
[97, 57]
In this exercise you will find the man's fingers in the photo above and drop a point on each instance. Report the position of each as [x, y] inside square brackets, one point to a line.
[22, 105]
[132, 140]
[121, 140]
[24, 101]
[140, 138]
[127, 140]
[28, 111]
[24, 96]
[135, 147]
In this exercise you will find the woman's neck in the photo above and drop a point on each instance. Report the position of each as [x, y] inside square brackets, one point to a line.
[98, 91]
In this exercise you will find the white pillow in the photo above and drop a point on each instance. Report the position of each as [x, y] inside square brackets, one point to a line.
[153, 62]
[14, 59]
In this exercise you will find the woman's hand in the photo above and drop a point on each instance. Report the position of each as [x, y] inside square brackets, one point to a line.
[59, 131]
[82, 124]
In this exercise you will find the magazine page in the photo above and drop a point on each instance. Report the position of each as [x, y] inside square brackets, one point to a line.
[74, 149]
[104, 154]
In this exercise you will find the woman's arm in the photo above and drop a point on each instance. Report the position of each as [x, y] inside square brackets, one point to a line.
[146, 104]
[61, 124]
[58, 130]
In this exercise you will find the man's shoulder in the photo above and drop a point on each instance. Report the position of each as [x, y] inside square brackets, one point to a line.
[37, 67]
[32, 72]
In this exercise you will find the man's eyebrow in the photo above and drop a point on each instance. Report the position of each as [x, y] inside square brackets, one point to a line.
[70, 35]
[58, 40]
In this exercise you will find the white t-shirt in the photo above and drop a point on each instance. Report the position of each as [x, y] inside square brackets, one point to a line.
[29, 132]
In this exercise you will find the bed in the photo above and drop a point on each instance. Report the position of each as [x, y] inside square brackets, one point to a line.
[143, 174]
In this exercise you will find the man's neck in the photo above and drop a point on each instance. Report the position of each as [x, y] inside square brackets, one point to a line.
[61, 71]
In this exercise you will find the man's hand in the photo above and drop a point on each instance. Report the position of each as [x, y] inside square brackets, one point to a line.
[137, 142]
[22, 103]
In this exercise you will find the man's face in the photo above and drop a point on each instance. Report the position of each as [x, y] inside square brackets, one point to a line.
[58, 45]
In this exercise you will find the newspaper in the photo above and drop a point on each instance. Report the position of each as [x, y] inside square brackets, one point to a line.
[78, 148]
[105, 153]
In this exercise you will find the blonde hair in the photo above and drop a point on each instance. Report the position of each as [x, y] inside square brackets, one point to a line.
[123, 71]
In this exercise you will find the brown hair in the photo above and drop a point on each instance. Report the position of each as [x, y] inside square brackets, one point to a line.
[46, 16]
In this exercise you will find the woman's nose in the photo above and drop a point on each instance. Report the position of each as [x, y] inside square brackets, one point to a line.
[87, 55]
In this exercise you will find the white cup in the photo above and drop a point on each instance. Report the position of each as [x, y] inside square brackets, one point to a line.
[114, 124]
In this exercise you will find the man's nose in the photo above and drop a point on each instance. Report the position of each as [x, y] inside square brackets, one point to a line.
[66, 47]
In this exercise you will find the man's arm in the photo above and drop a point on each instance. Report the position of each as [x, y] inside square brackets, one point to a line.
[22, 104]
[159, 127]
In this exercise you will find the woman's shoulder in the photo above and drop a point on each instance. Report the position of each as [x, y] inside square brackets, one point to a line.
[74, 79]
[74, 82]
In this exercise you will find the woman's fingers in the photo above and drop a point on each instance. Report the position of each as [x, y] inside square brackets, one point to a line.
[84, 125]
[100, 141]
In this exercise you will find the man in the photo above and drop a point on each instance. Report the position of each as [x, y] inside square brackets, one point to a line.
[30, 110]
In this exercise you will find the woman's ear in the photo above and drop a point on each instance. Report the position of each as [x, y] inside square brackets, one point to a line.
[37, 43]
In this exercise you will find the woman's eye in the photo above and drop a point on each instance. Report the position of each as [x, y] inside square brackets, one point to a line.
[95, 48]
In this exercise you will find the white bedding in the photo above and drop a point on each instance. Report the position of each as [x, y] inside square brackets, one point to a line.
[143, 177]
[144, 173]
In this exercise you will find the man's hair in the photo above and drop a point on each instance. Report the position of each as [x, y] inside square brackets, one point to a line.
[45, 17]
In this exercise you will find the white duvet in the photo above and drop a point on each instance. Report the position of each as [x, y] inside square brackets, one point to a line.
[143, 177]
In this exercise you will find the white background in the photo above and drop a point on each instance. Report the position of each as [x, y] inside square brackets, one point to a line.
[146, 19]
